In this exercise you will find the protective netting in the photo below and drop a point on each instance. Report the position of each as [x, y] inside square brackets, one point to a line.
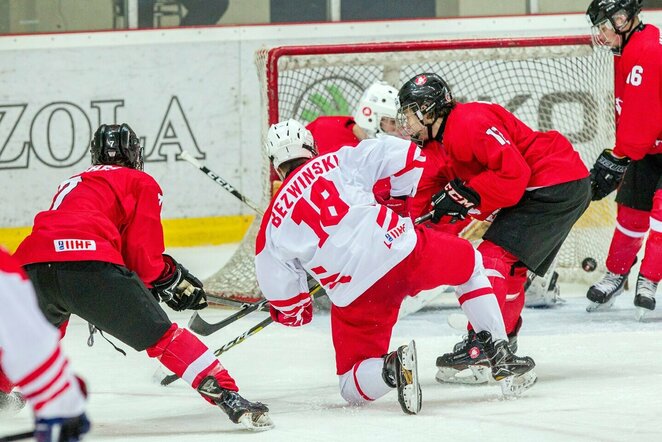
[549, 83]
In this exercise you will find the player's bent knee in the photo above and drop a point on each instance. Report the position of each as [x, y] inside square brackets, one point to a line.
[349, 390]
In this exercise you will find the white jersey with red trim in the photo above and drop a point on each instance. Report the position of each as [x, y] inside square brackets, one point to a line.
[324, 220]
[30, 353]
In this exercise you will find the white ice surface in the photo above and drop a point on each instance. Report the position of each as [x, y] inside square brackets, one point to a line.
[600, 379]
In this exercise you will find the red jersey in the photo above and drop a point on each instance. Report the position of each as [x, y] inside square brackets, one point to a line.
[332, 132]
[638, 92]
[500, 157]
[106, 213]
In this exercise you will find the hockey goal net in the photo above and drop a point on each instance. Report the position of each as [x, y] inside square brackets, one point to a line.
[550, 83]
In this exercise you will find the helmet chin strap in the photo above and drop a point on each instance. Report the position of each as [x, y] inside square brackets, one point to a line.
[625, 37]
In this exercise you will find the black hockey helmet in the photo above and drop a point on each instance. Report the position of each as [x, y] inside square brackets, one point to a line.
[600, 10]
[116, 144]
[425, 95]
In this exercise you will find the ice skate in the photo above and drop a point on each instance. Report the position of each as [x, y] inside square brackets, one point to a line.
[12, 402]
[252, 415]
[401, 372]
[513, 373]
[466, 364]
[644, 299]
[603, 293]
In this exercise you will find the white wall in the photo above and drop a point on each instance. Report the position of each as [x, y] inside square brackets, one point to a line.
[193, 89]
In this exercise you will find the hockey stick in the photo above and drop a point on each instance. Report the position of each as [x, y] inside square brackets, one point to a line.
[169, 379]
[220, 181]
[19, 436]
[204, 328]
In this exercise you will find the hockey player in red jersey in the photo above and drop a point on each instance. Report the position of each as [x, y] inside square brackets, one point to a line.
[374, 116]
[31, 358]
[97, 252]
[635, 162]
[533, 186]
[324, 221]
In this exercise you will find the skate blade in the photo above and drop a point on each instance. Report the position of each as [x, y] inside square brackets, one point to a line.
[409, 395]
[597, 307]
[474, 375]
[512, 387]
[256, 421]
[641, 313]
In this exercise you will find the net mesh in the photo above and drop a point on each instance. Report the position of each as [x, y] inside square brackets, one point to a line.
[558, 83]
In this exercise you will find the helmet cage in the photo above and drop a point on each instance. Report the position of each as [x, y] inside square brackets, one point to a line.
[410, 120]
[610, 22]
[116, 145]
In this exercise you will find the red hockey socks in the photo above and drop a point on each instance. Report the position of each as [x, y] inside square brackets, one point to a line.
[631, 228]
[651, 267]
[186, 356]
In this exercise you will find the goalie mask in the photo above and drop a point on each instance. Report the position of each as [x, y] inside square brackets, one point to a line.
[115, 144]
[289, 140]
[612, 22]
[377, 109]
[423, 100]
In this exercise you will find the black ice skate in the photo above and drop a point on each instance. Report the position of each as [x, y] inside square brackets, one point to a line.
[401, 371]
[513, 373]
[466, 364]
[644, 299]
[252, 415]
[12, 402]
[603, 293]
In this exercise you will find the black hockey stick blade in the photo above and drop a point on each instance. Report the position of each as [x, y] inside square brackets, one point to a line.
[19, 436]
[204, 328]
[169, 379]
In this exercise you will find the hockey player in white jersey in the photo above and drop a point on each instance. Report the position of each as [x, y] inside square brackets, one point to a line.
[32, 360]
[325, 221]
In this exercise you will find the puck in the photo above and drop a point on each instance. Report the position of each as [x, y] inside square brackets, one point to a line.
[589, 264]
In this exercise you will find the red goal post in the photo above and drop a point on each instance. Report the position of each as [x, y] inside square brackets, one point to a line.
[558, 83]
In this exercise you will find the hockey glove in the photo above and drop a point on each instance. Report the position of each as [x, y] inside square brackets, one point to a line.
[61, 429]
[455, 201]
[295, 316]
[398, 205]
[607, 174]
[179, 288]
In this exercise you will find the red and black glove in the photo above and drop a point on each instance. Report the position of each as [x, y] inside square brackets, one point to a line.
[455, 201]
[179, 288]
[294, 315]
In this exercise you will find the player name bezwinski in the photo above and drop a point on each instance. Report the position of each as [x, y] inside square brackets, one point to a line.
[292, 191]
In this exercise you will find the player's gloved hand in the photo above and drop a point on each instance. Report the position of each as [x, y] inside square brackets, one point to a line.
[61, 429]
[455, 200]
[398, 205]
[607, 173]
[294, 316]
[178, 288]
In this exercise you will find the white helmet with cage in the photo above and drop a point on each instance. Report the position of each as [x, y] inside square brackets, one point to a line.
[377, 103]
[289, 140]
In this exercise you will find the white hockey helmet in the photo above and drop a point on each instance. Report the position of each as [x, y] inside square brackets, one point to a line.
[377, 102]
[289, 140]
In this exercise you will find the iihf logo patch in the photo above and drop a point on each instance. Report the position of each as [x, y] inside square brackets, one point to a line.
[70, 245]
[366, 111]
[421, 80]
